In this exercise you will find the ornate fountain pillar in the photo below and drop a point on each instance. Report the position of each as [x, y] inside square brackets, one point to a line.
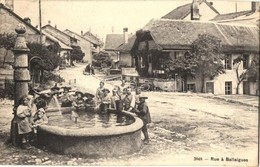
[21, 72]
[21, 76]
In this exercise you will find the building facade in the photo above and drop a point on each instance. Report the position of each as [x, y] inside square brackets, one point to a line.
[173, 38]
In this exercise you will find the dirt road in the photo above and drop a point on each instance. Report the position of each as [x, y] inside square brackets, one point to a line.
[186, 129]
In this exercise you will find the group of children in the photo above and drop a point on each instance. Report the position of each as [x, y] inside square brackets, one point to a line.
[30, 113]
[28, 119]
[123, 99]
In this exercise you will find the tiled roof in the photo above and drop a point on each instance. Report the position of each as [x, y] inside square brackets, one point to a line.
[179, 13]
[22, 20]
[182, 11]
[229, 16]
[93, 38]
[179, 34]
[62, 45]
[113, 41]
[128, 46]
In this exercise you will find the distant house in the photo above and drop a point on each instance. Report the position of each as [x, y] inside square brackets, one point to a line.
[85, 44]
[247, 17]
[112, 44]
[63, 38]
[165, 37]
[124, 50]
[96, 43]
[197, 10]
[64, 50]
[8, 22]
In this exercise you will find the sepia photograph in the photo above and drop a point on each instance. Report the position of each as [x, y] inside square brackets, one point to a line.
[129, 83]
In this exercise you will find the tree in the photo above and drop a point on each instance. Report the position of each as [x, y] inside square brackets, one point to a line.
[182, 66]
[76, 54]
[7, 41]
[206, 57]
[252, 70]
[102, 59]
[48, 57]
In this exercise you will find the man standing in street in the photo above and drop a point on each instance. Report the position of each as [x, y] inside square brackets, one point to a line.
[143, 113]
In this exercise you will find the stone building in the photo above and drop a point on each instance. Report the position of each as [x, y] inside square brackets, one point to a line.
[167, 37]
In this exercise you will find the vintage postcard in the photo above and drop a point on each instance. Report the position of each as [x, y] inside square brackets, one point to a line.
[144, 82]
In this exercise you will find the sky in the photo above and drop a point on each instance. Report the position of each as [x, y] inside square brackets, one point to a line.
[103, 16]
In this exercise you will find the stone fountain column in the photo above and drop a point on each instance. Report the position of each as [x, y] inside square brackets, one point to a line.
[21, 76]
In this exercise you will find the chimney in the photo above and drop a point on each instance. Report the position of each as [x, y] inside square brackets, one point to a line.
[195, 15]
[55, 26]
[255, 6]
[10, 4]
[27, 19]
[81, 33]
[49, 22]
[211, 3]
[125, 30]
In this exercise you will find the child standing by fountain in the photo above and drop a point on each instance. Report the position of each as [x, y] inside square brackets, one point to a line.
[23, 118]
[105, 101]
[114, 98]
[40, 117]
[142, 111]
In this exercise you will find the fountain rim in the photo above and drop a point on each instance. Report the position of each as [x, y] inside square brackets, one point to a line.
[99, 131]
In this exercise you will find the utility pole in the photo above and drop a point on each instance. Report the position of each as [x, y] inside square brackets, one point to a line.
[40, 21]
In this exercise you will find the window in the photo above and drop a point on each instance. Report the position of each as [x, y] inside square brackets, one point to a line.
[228, 88]
[210, 87]
[245, 61]
[142, 62]
[175, 55]
[191, 87]
[228, 62]
[150, 58]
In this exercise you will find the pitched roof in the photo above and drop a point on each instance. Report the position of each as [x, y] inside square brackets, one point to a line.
[31, 37]
[179, 34]
[93, 38]
[75, 35]
[18, 17]
[183, 11]
[62, 45]
[48, 27]
[179, 13]
[128, 46]
[113, 41]
[229, 16]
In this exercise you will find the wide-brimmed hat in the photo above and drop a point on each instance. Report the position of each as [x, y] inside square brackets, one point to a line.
[66, 88]
[89, 94]
[79, 92]
[115, 90]
[143, 97]
[106, 90]
[55, 87]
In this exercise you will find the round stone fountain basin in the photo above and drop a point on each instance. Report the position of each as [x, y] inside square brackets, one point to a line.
[92, 141]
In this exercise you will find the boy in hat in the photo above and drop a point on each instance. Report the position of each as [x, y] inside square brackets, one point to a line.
[89, 102]
[66, 100]
[142, 111]
[79, 101]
